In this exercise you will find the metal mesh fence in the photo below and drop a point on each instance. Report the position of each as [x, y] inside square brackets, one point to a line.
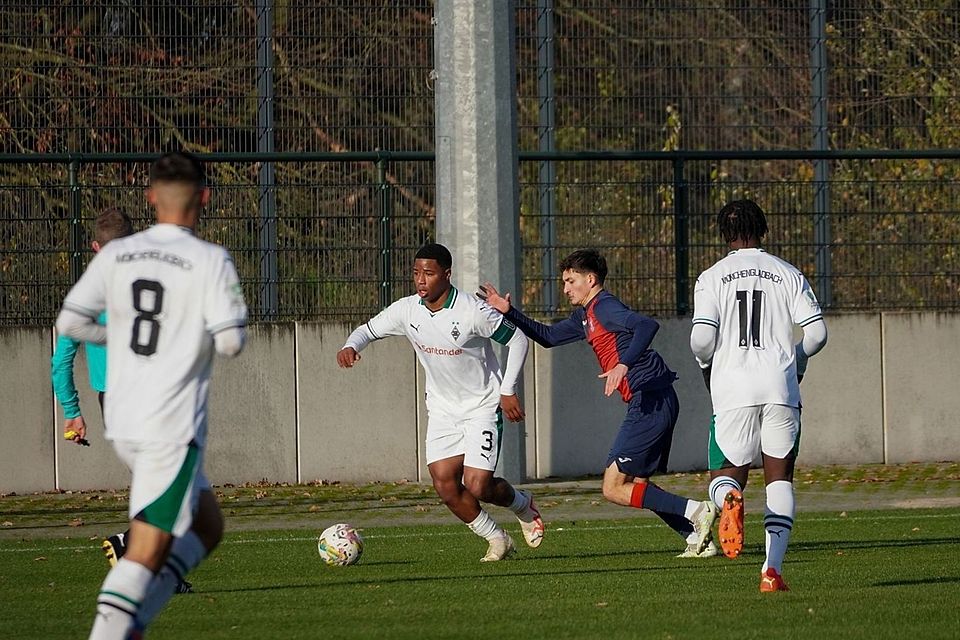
[355, 76]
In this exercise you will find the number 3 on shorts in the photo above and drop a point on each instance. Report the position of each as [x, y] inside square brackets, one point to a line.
[488, 445]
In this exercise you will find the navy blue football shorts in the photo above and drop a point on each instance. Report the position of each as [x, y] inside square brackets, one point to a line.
[642, 446]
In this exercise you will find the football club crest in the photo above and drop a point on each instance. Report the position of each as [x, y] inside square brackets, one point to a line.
[455, 332]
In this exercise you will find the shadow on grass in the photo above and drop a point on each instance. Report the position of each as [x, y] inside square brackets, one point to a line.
[460, 577]
[924, 581]
[844, 545]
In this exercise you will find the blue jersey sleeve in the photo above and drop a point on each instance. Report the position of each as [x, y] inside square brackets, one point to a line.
[553, 335]
[617, 317]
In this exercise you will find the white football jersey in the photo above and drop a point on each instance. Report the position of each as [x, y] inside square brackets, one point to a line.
[754, 300]
[454, 347]
[166, 294]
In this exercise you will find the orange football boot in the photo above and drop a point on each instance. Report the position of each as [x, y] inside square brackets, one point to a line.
[771, 581]
[731, 524]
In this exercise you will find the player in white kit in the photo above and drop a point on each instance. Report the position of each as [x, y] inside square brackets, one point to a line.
[451, 333]
[746, 307]
[171, 300]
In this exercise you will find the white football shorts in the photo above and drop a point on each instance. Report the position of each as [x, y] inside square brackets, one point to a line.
[741, 434]
[166, 482]
[476, 439]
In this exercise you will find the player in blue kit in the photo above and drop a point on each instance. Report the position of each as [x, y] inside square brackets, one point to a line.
[621, 339]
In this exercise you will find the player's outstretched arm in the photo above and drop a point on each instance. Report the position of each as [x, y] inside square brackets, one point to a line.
[563, 332]
[356, 342]
[493, 297]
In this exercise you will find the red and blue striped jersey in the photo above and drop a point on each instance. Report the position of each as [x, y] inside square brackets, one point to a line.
[617, 333]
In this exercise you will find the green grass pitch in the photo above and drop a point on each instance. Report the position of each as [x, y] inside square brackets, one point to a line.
[862, 573]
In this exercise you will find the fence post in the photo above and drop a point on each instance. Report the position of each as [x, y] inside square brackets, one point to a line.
[821, 166]
[269, 296]
[681, 238]
[546, 143]
[76, 223]
[386, 234]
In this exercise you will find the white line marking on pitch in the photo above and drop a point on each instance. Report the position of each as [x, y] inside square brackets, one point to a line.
[437, 534]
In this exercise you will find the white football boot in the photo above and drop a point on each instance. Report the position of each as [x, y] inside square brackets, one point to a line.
[500, 547]
[531, 523]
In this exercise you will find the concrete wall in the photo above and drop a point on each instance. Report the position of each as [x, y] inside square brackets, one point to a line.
[253, 410]
[842, 393]
[921, 402]
[28, 454]
[883, 390]
[356, 424]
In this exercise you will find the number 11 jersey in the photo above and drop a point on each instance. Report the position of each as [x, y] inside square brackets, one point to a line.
[754, 300]
[166, 293]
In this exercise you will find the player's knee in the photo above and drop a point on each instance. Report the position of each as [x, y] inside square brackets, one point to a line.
[448, 490]
[480, 487]
[610, 491]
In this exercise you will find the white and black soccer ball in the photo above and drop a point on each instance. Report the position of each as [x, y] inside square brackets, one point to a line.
[340, 545]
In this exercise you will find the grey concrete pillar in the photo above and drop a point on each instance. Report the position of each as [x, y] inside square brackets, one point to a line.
[476, 151]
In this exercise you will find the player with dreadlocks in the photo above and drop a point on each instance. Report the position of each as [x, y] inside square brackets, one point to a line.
[745, 310]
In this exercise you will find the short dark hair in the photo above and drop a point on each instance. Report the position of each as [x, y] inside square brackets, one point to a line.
[741, 220]
[434, 251]
[110, 225]
[586, 261]
[178, 166]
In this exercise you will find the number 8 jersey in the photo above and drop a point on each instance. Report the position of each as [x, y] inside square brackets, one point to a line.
[754, 300]
[166, 294]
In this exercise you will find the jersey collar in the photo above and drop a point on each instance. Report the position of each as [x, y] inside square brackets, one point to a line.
[451, 298]
[745, 249]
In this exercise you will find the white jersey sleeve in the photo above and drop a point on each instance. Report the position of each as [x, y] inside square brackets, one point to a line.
[224, 306]
[806, 306]
[89, 295]
[389, 322]
[490, 323]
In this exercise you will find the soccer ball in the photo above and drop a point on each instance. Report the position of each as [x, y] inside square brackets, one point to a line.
[340, 544]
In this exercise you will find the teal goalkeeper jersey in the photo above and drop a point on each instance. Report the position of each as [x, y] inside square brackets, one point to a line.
[61, 370]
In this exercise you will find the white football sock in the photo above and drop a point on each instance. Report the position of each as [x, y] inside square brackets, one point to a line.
[185, 554]
[485, 526]
[691, 509]
[778, 522]
[720, 486]
[120, 598]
